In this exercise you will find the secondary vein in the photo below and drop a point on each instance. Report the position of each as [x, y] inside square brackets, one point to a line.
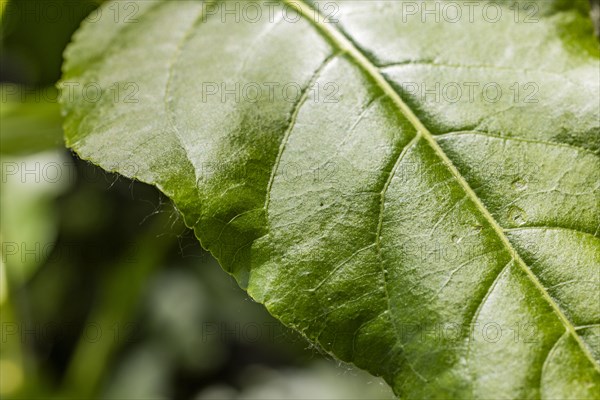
[337, 38]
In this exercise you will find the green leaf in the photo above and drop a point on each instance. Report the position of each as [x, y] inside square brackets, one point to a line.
[447, 241]
[28, 191]
[30, 120]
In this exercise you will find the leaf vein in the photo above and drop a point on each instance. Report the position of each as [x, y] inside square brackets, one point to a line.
[449, 135]
[339, 39]
[292, 123]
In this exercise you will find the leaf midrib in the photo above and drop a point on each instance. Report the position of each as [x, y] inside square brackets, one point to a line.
[345, 45]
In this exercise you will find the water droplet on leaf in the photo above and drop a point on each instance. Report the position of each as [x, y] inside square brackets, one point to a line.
[519, 184]
[517, 215]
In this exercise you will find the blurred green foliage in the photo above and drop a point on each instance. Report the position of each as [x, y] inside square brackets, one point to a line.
[30, 119]
[103, 292]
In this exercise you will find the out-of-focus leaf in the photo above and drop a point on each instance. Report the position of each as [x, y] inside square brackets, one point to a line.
[30, 120]
[34, 34]
[2, 6]
[29, 188]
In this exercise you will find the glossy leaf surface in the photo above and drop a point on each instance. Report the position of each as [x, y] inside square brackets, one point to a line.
[417, 196]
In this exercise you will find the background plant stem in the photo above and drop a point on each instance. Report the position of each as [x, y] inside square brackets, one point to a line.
[120, 296]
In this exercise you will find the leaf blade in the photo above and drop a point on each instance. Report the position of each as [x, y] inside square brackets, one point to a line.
[316, 270]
